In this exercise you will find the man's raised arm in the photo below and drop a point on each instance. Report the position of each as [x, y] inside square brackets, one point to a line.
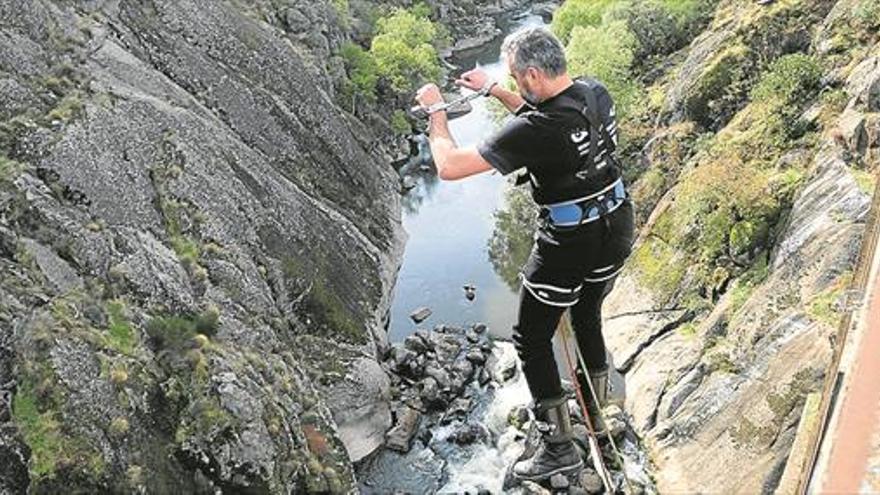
[452, 162]
[477, 79]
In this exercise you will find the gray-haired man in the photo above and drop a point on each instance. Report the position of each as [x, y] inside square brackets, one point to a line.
[563, 135]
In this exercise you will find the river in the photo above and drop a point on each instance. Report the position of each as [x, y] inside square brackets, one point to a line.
[449, 225]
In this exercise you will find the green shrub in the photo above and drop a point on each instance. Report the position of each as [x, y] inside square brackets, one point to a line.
[606, 52]
[788, 83]
[575, 13]
[343, 12]
[404, 50]
[742, 236]
[661, 26]
[867, 15]
[790, 80]
[36, 411]
[178, 331]
[121, 334]
[403, 54]
[9, 169]
[689, 15]
[399, 123]
[652, 24]
[362, 71]
[67, 109]
[40, 429]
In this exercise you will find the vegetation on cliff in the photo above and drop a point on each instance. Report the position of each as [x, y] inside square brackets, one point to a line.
[402, 54]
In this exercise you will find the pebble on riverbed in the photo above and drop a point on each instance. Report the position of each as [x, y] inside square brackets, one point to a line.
[421, 314]
[470, 292]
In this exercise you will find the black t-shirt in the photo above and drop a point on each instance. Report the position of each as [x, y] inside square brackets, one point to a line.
[553, 139]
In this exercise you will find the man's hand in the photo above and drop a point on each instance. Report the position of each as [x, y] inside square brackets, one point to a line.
[474, 79]
[429, 95]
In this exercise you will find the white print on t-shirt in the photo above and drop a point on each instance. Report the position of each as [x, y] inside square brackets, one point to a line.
[581, 139]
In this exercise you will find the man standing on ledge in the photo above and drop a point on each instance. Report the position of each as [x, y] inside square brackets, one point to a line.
[563, 136]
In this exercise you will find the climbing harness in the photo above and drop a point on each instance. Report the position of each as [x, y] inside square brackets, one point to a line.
[571, 214]
[595, 451]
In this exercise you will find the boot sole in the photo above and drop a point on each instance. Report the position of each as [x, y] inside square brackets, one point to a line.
[545, 476]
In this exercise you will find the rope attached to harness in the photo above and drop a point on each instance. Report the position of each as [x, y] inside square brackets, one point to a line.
[564, 329]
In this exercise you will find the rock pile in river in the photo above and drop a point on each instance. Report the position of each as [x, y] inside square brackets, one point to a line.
[444, 383]
[430, 372]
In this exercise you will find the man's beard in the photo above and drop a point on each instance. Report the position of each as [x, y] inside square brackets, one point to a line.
[527, 94]
[530, 97]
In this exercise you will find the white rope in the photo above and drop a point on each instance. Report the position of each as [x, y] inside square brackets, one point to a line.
[583, 364]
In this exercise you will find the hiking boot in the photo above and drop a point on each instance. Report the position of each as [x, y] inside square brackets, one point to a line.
[556, 452]
[599, 381]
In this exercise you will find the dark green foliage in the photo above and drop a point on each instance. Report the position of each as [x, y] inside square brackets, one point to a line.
[511, 239]
[575, 13]
[606, 52]
[362, 71]
[784, 88]
[790, 80]
[404, 50]
[661, 27]
[403, 54]
[176, 331]
[399, 123]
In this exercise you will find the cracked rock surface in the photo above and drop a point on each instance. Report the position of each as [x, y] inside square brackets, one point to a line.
[196, 252]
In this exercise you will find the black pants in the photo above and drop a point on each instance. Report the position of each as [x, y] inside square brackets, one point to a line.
[574, 273]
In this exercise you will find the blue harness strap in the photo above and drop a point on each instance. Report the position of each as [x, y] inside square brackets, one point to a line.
[586, 210]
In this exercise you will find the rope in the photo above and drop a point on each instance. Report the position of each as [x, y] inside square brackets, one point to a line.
[565, 327]
[644, 312]
[595, 451]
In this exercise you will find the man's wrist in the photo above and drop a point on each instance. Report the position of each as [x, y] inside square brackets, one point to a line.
[496, 90]
[488, 88]
[437, 120]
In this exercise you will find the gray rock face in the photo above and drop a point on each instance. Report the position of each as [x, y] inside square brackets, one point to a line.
[864, 83]
[712, 83]
[721, 393]
[197, 253]
[361, 406]
[736, 385]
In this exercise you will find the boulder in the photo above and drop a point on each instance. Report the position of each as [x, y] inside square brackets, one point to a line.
[400, 437]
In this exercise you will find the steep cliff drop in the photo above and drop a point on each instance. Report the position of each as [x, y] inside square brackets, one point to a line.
[196, 255]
